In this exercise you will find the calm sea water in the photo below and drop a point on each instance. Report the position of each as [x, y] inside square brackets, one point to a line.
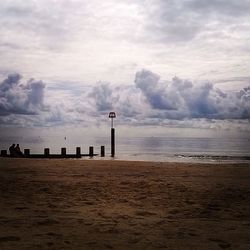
[187, 149]
[143, 148]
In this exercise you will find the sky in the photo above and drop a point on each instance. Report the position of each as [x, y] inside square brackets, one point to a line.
[156, 63]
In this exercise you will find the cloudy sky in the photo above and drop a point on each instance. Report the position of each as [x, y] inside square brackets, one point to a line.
[154, 62]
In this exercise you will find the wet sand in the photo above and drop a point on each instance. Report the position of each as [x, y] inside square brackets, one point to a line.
[87, 204]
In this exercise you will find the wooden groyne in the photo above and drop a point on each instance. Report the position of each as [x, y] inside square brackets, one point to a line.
[47, 154]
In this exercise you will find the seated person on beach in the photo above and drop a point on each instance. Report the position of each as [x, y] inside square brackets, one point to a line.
[12, 149]
[18, 151]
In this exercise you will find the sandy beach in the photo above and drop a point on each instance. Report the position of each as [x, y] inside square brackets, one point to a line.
[88, 204]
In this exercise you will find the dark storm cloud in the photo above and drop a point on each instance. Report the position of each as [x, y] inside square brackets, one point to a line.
[21, 98]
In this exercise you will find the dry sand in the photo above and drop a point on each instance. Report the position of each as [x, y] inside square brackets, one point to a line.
[85, 204]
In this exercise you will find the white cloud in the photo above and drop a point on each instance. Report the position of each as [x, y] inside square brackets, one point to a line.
[21, 98]
[180, 99]
[90, 41]
[72, 44]
[102, 95]
[183, 21]
[148, 101]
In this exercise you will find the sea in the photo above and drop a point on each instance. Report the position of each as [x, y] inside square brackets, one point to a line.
[139, 148]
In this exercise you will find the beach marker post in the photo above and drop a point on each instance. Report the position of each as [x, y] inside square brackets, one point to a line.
[46, 151]
[3, 152]
[78, 152]
[112, 115]
[91, 151]
[63, 151]
[26, 152]
[102, 151]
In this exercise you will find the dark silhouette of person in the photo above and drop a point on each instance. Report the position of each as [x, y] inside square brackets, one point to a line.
[18, 151]
[12, 149]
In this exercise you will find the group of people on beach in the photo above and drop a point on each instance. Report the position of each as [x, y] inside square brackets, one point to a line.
[15, 150]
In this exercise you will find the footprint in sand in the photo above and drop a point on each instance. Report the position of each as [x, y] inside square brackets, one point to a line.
[192, 234]
[20, 208]
[47, 222]
[9, 238]
[52, 234]
[144, 213]
[174, 211]
[108, 246]
[221, 243]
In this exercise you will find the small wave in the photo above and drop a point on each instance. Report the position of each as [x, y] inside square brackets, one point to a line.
[213, 157]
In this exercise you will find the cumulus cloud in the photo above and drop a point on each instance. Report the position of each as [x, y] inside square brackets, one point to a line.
[129, 103]
[102, 96]
[148, 101]
[179, 99]
[21, 98]
[151, 100]
[154, 91]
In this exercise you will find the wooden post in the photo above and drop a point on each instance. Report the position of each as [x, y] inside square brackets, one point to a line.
[63, 151]
[112, 142]
[3, 152]
[102, 151]
[46, 151]
[91, 151]
[26, 152]
[78, 151]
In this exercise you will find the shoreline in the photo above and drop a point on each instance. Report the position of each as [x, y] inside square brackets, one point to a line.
[113, 204]
[218, 161]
